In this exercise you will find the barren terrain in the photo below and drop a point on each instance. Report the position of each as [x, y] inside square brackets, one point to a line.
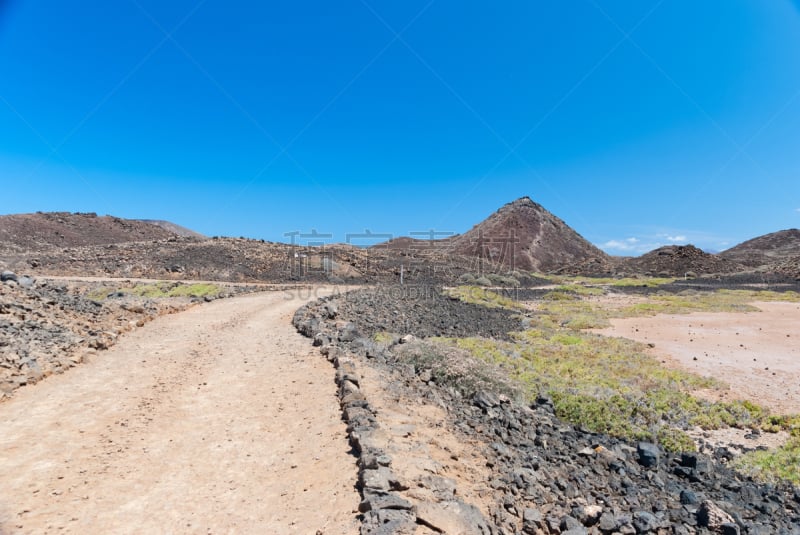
[216, 420]
[756, 353]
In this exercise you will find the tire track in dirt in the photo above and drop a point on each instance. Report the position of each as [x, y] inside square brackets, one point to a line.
[220, 419]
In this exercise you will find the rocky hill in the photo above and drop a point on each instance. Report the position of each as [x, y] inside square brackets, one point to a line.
[774, 248]
[677, 261]
[522, 235]
[42, 231]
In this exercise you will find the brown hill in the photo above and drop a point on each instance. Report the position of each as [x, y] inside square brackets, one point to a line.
[42, 231]
[775, 248]
[523, 235]
[677, 261]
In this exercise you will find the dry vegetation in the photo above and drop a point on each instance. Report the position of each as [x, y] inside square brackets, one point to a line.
[612, 385]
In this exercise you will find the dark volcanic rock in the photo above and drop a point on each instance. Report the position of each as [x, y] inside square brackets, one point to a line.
[423, 311]
[649, 454]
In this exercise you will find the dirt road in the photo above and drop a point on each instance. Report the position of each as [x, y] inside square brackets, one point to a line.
[219, 419]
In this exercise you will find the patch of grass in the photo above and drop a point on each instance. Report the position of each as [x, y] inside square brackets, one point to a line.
[580, 289]
[780, 464]
[98, 294]
[675, 440]
[650, 282]
[383, 337]
[719, 301]
[481, 296]
[173, 289]
[560, 309]
[610, 385]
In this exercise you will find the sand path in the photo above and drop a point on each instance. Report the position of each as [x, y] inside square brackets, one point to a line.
[220, 419]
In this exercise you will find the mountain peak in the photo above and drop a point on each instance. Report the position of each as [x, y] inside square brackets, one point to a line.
[524, 235]
[522, 201]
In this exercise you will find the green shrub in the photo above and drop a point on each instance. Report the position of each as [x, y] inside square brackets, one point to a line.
[675, 440]
[483, 281]
[466, 278]
[484, 297]
[780, 464]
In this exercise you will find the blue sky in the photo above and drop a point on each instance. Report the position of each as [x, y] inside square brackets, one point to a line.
[638, 123]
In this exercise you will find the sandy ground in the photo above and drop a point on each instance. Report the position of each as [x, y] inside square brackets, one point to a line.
[220, 419]
[756, 353]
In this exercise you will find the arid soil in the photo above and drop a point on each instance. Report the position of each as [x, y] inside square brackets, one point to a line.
[756, 353]
[217, 420]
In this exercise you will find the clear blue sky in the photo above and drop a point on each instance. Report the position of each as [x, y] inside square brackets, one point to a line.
[638, 123]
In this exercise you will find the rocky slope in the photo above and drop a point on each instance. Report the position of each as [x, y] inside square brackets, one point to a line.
[544, 476]
[775, 248]
[789, 267]
[42, 231]
[677, 261]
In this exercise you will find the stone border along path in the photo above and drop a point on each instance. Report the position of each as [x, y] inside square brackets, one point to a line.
[385, 510]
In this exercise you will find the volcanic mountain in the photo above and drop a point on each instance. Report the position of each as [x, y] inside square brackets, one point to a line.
[520, 235]
[46, 230]
[773, 248]
[523, 235]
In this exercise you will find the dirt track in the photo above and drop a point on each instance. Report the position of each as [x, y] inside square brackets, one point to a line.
[220, 419]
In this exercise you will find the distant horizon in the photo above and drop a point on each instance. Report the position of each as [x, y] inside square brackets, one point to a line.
[260, 119]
